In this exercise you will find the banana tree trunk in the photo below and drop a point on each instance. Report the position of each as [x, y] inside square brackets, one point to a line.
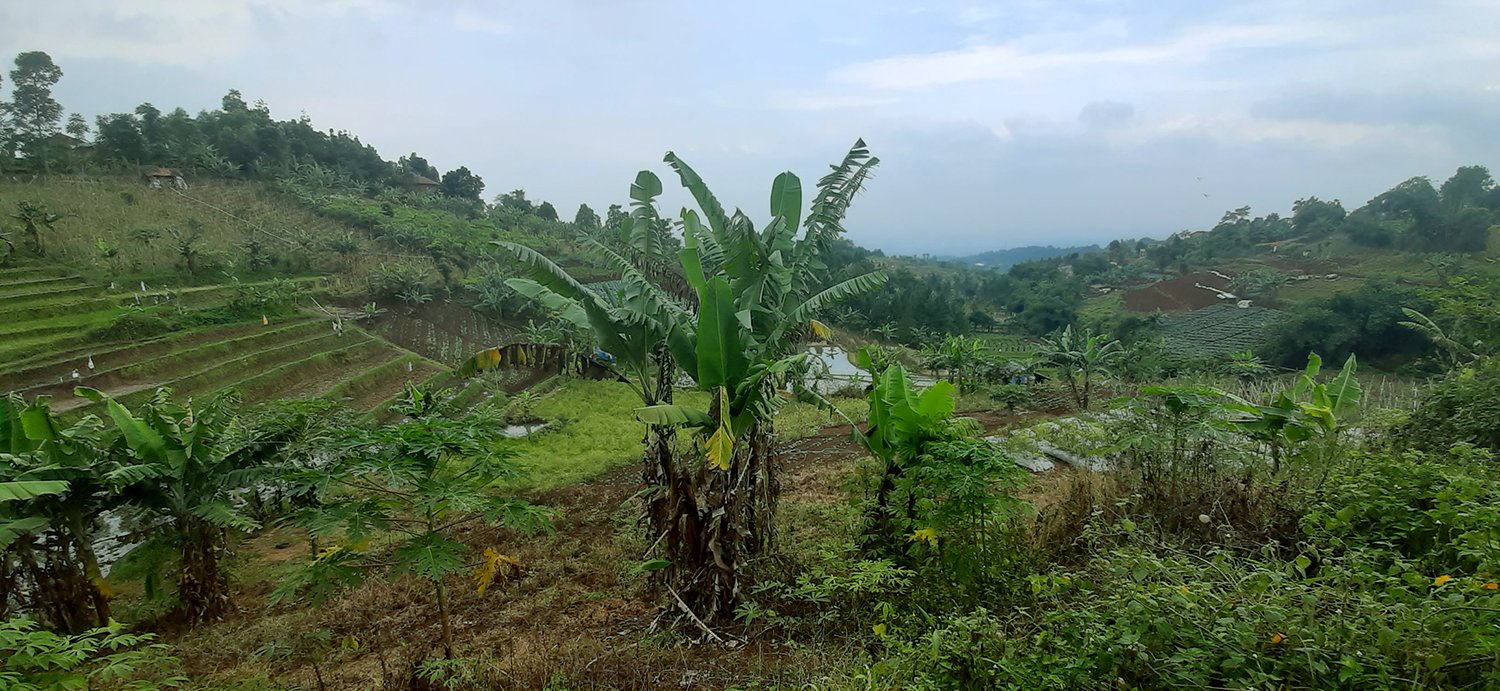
[201, 586]
[718, 520]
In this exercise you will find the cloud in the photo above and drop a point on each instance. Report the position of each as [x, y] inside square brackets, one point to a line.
[829, 101]
[162, 32]
[469, 19]
[1018, 60]
[1106, 114]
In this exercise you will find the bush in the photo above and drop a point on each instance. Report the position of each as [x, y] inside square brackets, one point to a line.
[35, 660]
[1464, 407]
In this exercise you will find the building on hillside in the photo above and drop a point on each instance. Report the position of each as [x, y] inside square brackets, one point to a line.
[413, 182]
[164, 177]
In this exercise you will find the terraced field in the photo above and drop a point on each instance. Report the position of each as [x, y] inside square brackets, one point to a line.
[1218, 330]
[48, 312]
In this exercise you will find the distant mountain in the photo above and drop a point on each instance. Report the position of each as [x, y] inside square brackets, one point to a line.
[1001, 260]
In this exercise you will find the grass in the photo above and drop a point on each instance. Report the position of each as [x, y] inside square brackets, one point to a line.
[111, 209]
[593, 430]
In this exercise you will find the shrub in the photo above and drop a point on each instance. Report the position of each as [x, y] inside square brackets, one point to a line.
[1464, 407]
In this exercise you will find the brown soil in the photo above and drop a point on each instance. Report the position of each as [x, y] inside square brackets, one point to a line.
[573, 609]
[1176, 294]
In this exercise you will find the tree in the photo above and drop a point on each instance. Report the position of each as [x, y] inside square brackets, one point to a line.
[459, 183]
[33, 113]
[417, 480]
[1080, 359]
[546, 212]
[119, 138]
[1315, 217]
[413, 163]
[586, 219]
[189, 468]
[1469, 186]
[755, 298]
[613, 220]
[77, 127]
[515, 201]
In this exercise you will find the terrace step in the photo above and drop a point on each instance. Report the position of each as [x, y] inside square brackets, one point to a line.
[47, 294]
[30, 271]
[130, 366]
[9, 287]
[314, 374]
[372, 387]
[222, 374]
[59, 363]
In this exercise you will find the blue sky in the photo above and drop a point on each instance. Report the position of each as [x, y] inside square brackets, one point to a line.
[998, 124]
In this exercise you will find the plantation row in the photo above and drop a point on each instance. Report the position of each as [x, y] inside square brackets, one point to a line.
[61, 332]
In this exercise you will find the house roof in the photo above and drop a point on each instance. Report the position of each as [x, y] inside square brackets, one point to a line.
[421, 180]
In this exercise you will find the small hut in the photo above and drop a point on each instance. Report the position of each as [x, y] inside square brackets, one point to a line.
[164, 177]
[413, 182]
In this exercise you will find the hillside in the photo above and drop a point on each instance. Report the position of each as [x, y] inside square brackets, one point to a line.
[1000, 260]
[227, 284]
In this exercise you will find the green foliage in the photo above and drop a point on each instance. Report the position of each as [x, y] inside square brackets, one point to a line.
[1462, 407]
[36, 660]
[36, 220]
[188, 466]
[409, 484]
[1305, 421]
[1080, 359]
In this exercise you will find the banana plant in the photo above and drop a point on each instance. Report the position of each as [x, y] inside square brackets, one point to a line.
[55, 482]
[1309, 410]
[184, 464]
[749, 299]
[902, 424]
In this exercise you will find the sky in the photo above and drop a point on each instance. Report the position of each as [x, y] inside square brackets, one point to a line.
[997, 124]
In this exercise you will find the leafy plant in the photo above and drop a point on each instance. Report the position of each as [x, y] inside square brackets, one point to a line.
[1307, 418]
[186, 466]
[1080, 359]
[409, 485]
[754, 295]
[32, 659]
[35, 219]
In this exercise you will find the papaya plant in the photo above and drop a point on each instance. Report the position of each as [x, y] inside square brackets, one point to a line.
[405, 488]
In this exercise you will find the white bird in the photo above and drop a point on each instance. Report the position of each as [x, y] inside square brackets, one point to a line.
[91, 362]
[143, 286]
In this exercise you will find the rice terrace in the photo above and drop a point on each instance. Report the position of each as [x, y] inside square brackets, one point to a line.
[937, 347]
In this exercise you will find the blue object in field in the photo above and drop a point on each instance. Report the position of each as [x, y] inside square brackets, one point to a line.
[603, 358]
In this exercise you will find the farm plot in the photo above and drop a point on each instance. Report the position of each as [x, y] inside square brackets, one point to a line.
[443, 332]
[50, 344]
[1217, 331]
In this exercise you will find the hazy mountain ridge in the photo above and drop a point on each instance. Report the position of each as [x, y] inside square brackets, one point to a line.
[1001, 260]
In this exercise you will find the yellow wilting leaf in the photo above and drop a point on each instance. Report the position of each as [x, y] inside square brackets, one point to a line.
[1278, 639]
[820, 329]
[264, 321]
[720, 449]
[1441, 579]
[490, 567]
[1491, 585]
[927, 535]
